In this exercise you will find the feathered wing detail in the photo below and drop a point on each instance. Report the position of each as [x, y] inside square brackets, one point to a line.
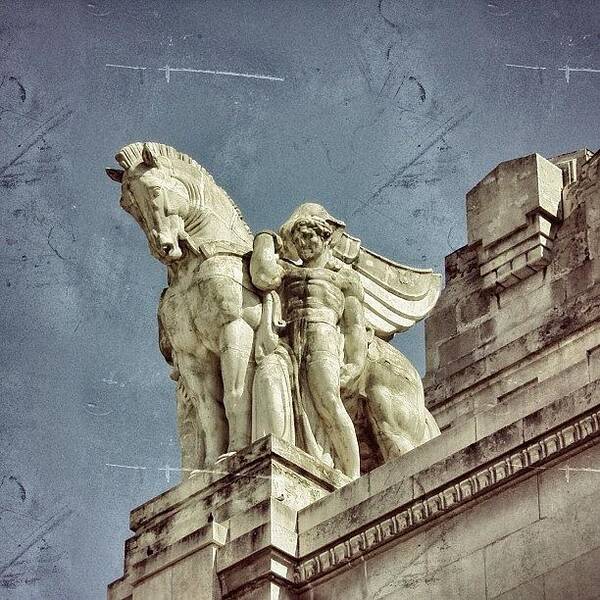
[396, 296]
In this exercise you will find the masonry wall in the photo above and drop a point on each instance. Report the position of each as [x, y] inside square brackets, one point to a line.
[537, 539]
[485, 344]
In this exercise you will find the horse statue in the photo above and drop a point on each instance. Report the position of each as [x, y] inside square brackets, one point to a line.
[224, 336]
[209, 310]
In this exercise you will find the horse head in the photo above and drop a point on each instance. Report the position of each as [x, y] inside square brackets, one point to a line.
[174, 199]
[157, 199]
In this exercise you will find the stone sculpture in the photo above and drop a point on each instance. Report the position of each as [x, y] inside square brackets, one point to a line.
[278, 333]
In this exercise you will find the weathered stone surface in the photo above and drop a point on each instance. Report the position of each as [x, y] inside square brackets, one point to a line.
[532, 590]
[512, 189]
[543, 546]
[273, 334]
[529, 319]
[221, 521]
[578, 578]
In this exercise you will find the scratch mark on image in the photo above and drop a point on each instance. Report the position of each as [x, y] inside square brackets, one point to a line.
[52, 247]
[111, 381]
[168, 470]
[566, 69]
[37, 535]
[535, 68]
[168, 70]
[48, 125]
[451, 123]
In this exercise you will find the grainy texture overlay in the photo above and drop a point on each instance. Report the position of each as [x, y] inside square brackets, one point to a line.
[387, 112]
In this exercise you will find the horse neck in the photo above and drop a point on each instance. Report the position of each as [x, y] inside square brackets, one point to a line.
[213, 215]
[181, 270]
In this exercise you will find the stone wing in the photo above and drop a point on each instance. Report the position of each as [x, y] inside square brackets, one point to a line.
[396, 296]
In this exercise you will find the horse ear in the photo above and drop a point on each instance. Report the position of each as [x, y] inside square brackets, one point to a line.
[115, 174]
[149, 157]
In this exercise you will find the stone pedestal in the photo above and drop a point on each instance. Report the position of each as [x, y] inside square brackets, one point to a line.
[226, 533]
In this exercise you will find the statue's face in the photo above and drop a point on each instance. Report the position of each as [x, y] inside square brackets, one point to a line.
[309, 244]
[159, 202]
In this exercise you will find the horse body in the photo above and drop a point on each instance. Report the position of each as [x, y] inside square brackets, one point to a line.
[208, 314]
[395, 401]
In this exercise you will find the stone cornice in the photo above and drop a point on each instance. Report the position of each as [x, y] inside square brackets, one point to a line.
[515, 463]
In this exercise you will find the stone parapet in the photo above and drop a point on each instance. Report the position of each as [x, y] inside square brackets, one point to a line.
[461, 494]
[225, 533]
[510, 213]
[484, 340]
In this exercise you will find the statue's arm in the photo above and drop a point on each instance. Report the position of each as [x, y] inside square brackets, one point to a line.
[355, 333]
[265, 269]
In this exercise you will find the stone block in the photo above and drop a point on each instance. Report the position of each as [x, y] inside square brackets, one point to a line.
[349, 585]
[260, 514]
[505, 276]
[580, 279]
[382, 490]
[343, 523]
[200, 543]
[498, 204]
[441, 325]
[521, 268]
[563, 485]
[530, 397]
[509, 407]
[243, 579]
[461, 269]
[560, 411]
[157, 587]
[470, 458]
[462, 344]
[195, 577]
[485, 521]
[532, 590]
[593, 360]
[472, 308]
[454, 414]
[542, 546]
[265, 590]
[526, 289]
[571, 164]
[579, 578]
[268, 535]
[120, 590]
[464, 579]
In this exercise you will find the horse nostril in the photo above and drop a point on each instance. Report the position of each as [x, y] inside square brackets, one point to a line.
[166, 248]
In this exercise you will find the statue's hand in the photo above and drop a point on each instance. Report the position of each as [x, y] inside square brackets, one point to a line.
[349, 373]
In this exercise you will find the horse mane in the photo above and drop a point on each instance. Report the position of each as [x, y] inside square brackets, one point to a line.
[197, 179]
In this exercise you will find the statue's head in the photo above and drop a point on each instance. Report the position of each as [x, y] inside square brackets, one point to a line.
[156, 198]
[310, 231]
[311, 237]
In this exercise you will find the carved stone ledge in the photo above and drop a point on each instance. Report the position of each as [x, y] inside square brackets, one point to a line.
[518, 462]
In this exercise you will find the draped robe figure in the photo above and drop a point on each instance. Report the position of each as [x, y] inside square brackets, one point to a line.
[331, 308]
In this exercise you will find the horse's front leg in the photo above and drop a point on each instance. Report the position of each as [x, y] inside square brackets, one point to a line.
[200, 377]
[237, 370]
